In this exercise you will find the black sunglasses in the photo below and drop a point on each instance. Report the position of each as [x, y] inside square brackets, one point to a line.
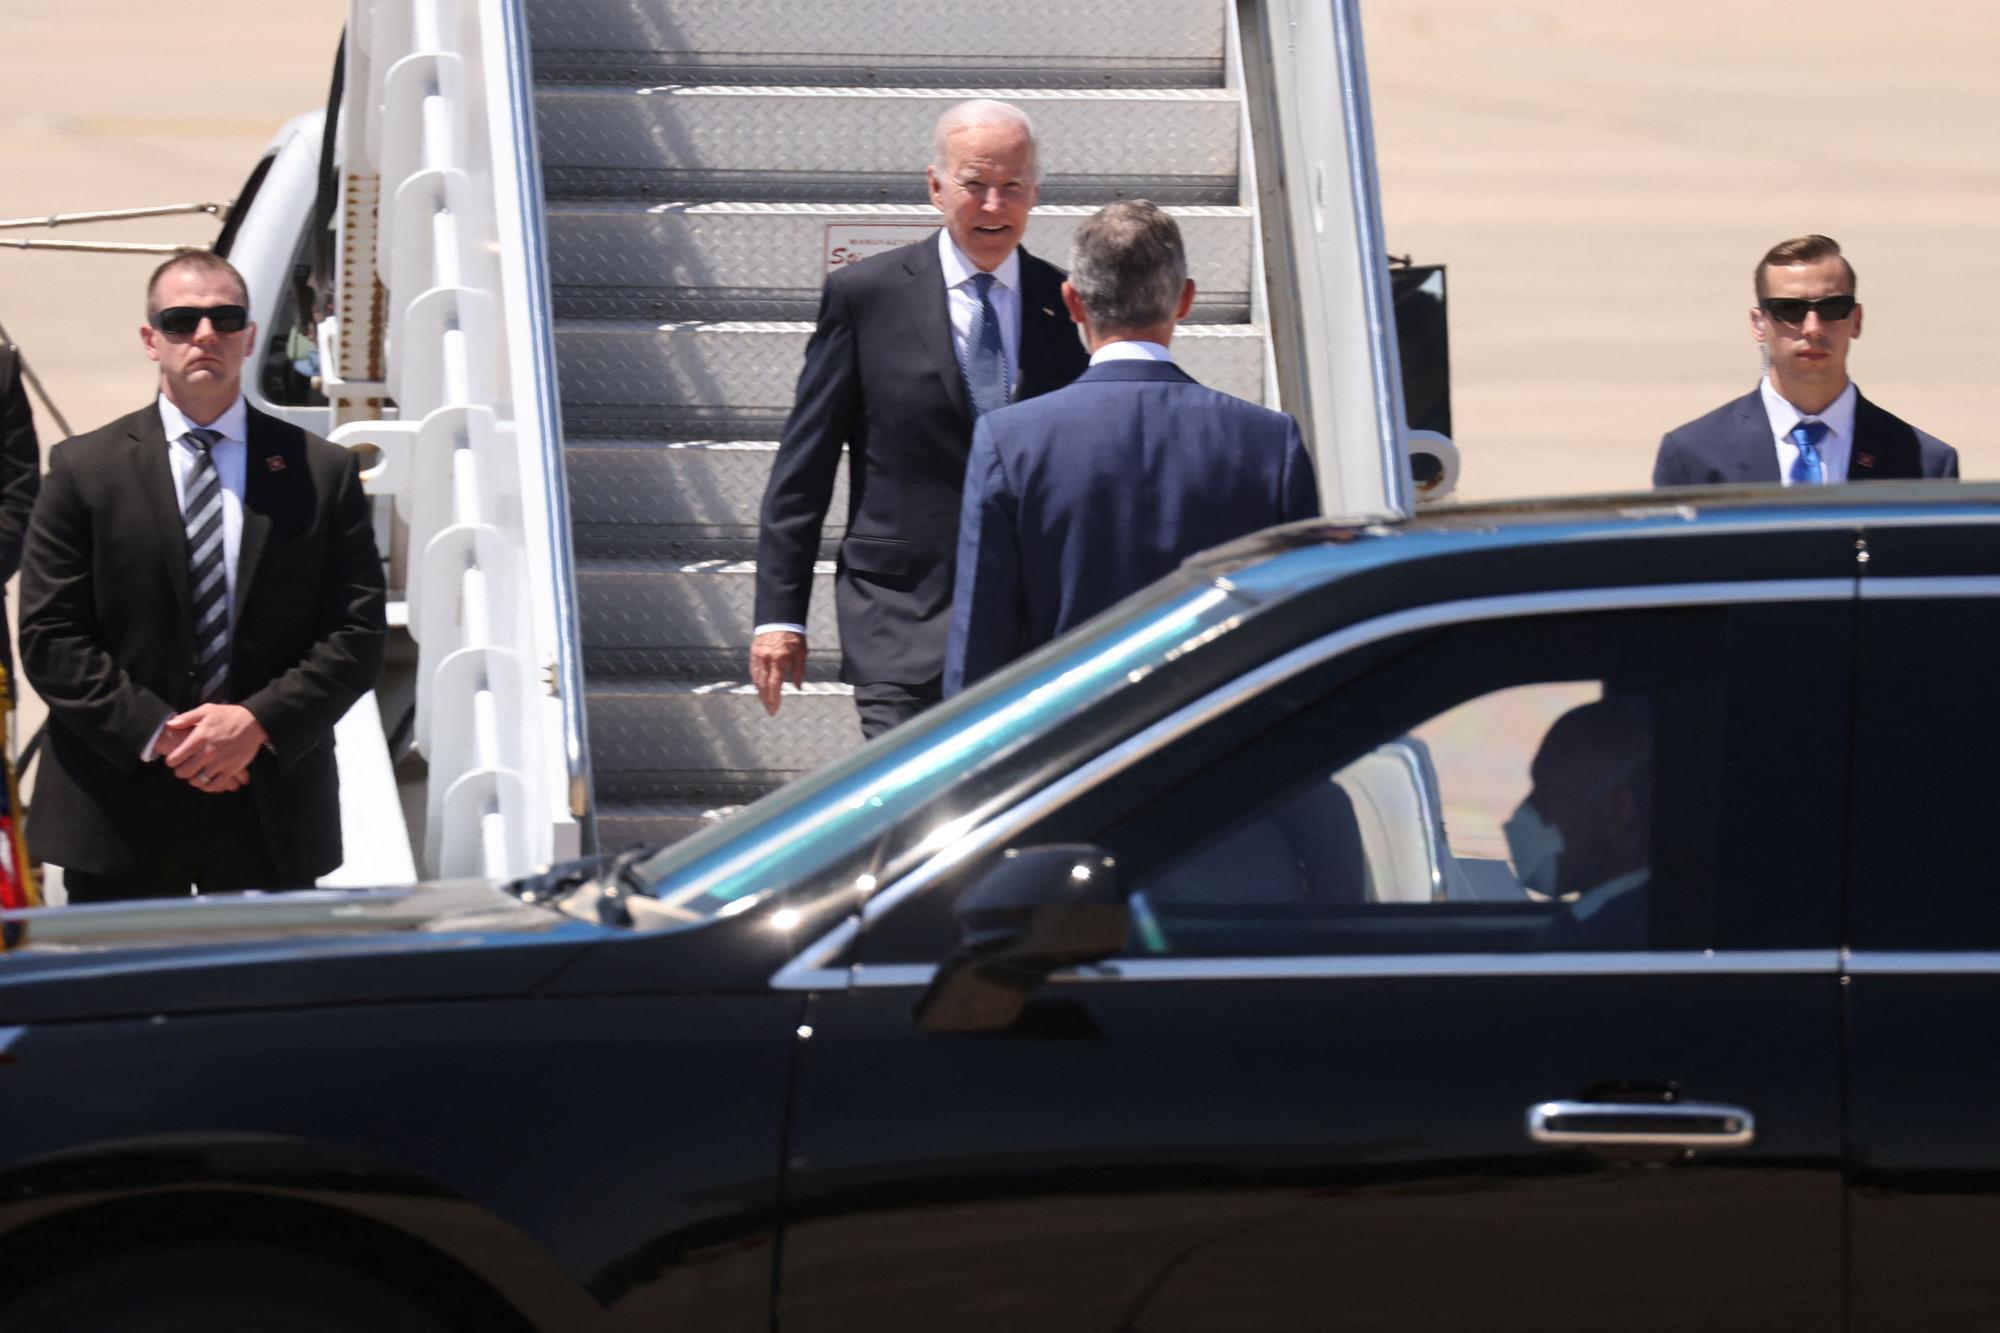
[185, 319]
[1794, 309]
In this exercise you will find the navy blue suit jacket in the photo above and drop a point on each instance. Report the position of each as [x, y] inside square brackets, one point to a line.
[1087, 494]
[1732, 445]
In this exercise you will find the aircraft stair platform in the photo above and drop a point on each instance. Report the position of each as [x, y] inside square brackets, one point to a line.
[704, 163]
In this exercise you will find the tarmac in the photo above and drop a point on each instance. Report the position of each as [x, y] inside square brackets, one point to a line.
[1600, 179]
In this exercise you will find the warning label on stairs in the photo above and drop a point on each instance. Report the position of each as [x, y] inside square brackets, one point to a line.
[849, 242]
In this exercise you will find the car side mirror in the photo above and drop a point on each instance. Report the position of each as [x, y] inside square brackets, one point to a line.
[1038, 910]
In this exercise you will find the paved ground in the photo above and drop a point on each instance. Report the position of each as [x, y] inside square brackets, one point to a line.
[131, 105]
[1599, 177]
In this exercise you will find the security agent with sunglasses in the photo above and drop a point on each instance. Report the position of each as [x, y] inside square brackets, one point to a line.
[1806, 424]
[201, 600]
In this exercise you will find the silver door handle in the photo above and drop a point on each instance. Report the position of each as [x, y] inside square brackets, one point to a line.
[1642, 1124]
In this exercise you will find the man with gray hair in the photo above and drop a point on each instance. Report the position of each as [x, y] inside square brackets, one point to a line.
[1087, 494]
[912, 347]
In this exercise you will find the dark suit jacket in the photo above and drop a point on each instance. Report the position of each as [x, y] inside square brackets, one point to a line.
[107, 642]
[20, 479]
[881, 378]
[1084, 496]
[1732, 445]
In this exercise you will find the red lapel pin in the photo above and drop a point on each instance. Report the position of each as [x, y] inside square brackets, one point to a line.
[275, 462]
[1865, 460]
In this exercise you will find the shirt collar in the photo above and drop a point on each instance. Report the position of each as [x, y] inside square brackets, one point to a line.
[233, 423]
[1131, 349]
[958, 270]
[1838, 416]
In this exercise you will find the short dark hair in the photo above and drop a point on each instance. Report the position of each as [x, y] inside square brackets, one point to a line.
[1618, 730]
[1128, 265]
[204, 261]
[1809, 249]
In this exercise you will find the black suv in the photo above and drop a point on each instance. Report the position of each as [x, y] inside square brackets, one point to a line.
[1542, 916]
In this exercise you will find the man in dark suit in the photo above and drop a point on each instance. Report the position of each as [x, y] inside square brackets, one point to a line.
[200, 601]
[1583, 835]
[911, 348]
[20, 479]
[1805, 424]
[1086, 495]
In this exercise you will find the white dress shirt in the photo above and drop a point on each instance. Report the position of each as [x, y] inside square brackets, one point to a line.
[230, 455]
[962, 300]
[1835, 448]
[1131, 349]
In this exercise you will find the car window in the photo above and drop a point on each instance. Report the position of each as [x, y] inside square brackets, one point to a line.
[1548, 784]
[1534, 832]
[1927, 781]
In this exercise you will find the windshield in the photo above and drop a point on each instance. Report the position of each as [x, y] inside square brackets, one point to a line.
[928, 778]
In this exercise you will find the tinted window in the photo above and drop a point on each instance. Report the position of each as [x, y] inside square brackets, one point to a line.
[1601, 782]
[1927, 777]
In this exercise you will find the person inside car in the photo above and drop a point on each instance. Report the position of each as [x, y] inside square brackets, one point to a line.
[1583, 834]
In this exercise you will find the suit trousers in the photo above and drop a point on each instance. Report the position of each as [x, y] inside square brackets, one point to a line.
[221, 850]
[883, 705]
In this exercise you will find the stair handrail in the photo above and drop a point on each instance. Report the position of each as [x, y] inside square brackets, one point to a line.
[546, 400]
[1327, 264]
[441, 354]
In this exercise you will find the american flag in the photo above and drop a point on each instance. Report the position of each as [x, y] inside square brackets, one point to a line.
[18, 888]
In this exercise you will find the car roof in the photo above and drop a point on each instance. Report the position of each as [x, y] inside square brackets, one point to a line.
[1752, 532]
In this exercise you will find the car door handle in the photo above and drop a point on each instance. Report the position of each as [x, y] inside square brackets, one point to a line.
[1642, 1124]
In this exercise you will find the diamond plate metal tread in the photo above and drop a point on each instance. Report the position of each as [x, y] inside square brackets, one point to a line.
[716, 486]
[883, 72]
[767, 261]
[687, 423]
[704, 790]
[680, 544]
[868, 41]
[708, 303]
[869, 144]
[653, 605]
[607, 666]
[753, 363]
[674, 731]
[642, 823]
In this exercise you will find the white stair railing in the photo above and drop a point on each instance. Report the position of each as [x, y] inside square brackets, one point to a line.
[438, 126]
[1327, 267]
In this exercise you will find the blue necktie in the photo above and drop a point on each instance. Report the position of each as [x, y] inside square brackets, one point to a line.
[1807, 469]
[985, 357]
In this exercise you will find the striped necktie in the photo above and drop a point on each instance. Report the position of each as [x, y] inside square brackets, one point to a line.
[207, 585]
[1807, 468]
[985, 356]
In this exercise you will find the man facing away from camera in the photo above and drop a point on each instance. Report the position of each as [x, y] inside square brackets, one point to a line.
[1085, 495]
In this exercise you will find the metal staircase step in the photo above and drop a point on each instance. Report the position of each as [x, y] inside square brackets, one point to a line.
[677, 366]
[658, 606]
[683, 311]
[694, 144]
[659, 497]
[766, 261]
[603, 666]
[1039, 42]
[663, 736]
[653, 823]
